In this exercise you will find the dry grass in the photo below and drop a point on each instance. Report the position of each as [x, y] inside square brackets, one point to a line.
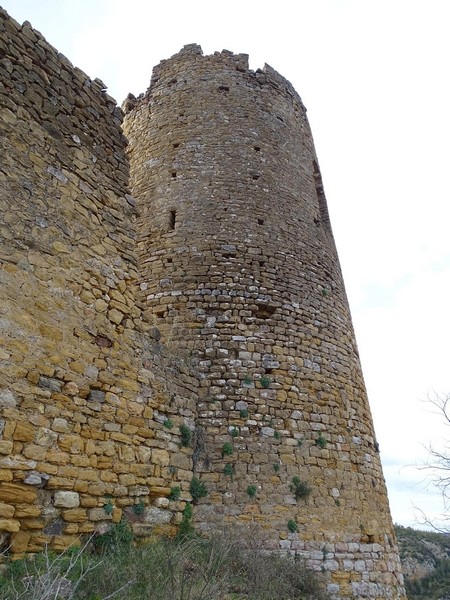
[224, 567]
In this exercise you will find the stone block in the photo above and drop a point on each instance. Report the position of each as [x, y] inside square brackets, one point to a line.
[74, 515]
[7, 399]
[6, 510]
[160, 457]
[19, 541]
[16, 493]
[65, 499]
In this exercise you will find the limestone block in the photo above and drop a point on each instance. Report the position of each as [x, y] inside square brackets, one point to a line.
[45, 437]
[160, 457]
[6, 510]
[7, 399]
[61, 425]
[6, 447]
[65, 499]
[35, 524]
[115, 316]
[161, 502]
[36, 478]
[181, 460]
[75, 515]
[9, 525]
[156, 516]
[15, 493]
[19, 541]
[27, 510]
[35, 452]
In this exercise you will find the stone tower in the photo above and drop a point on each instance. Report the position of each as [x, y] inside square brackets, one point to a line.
[239, 272]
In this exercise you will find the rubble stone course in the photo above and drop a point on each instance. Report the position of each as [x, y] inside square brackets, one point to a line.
[181, 323]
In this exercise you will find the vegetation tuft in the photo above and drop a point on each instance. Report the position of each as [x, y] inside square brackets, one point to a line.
[299, 488]
[186, 436]
[227, 449]
[175, 493]
[197, 489]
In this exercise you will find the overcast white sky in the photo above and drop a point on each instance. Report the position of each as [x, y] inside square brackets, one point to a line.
[374, 75]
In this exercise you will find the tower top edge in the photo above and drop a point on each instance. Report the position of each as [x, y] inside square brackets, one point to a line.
[192, 54]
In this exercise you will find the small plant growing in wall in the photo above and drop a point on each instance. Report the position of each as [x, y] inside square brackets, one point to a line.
[243, 414]
[108, 507]
[276, 467]
[185, 529]
[265, 381]
[175, 493]
[139, 507]
[186, 436]
[227, 449]
[197, 489]
[247, 380]
[234, 432]
[321, 441]
[118, 537]
[292, 526]
[299, 488]
[251, 491]
[168, 424]
[228, 470]
[277, 435]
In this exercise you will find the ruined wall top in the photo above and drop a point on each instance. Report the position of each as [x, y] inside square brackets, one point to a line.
[191, 57]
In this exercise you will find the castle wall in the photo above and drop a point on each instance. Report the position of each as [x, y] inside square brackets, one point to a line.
[238, 267]
[211, 299]
[86, 388]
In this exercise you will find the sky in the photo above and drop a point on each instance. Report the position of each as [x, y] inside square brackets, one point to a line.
[374, 75]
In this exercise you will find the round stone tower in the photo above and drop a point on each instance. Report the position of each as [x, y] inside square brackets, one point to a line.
[240, 273]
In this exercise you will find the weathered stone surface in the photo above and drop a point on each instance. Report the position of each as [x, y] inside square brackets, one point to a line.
[6, 510]
[66, 499]
[257, 290]
[210, 335]
[9, 525]
[15, 493]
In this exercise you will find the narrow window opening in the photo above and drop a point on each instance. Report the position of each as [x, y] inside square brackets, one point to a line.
[172, 219]
[261, 263]
[371, 539]
[160, 314]
[261, 222]
[323, 209]
[255, 177]
[176, 145]
[174, 174]
[257, 148]
[170, 260]
[223, 88]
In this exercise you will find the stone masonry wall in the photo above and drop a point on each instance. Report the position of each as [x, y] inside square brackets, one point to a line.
[210, 301]
[238, 267]
[86, 388]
